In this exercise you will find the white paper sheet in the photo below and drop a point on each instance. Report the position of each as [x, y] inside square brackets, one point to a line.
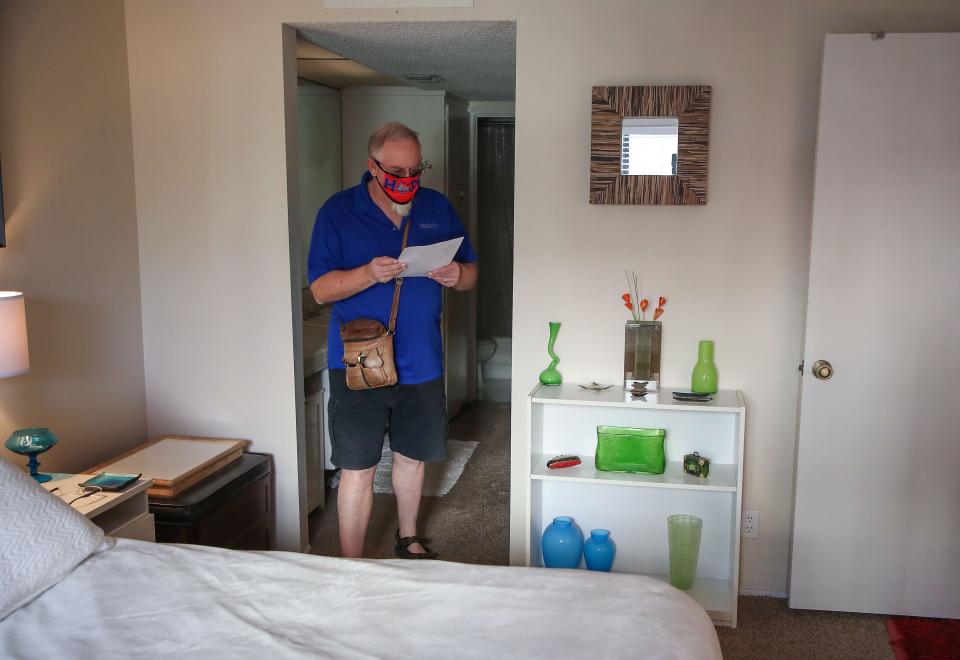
[421, 259]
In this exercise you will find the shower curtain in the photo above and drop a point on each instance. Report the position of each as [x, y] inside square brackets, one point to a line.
[495, 226]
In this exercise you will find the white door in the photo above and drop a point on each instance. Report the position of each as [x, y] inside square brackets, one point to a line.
[877, 513]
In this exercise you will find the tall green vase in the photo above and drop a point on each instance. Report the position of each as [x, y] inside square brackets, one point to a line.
[704, 380]
[550, 375]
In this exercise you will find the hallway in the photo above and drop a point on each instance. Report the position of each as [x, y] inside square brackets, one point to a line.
[471, 523]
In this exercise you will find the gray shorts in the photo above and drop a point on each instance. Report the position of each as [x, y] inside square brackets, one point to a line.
[414, 415]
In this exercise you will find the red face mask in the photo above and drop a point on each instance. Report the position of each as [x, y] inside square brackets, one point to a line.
[399, 189]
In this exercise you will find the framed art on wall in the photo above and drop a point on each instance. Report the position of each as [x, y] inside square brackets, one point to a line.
[649, 144]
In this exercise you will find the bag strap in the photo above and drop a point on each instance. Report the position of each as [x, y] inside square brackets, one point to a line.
[397, 285]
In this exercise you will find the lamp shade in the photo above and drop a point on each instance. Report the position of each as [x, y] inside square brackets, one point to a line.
[14, 359]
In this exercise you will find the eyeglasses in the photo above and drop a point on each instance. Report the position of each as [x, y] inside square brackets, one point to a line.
[402, 172]
[78, 493]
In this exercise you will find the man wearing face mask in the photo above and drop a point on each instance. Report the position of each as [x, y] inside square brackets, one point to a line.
[353, 263]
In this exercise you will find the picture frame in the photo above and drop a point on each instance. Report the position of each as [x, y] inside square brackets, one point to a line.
[689, 104]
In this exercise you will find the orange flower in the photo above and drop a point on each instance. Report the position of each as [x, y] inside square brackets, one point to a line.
[657, 312]
[644, 304]
[626, 297]
[663, 301]
[628, 306]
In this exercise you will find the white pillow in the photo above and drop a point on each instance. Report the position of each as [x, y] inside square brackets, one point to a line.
[42, 539]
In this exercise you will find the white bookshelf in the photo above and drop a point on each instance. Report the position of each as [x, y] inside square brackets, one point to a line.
[634, 507]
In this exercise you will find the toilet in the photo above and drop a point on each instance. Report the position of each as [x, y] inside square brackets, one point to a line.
[494, 363]
[486, 347]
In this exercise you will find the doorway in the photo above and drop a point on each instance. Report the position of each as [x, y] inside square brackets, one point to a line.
[453, 83]
[494, 211]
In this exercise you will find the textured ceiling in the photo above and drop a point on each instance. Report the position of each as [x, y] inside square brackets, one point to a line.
[476, 59]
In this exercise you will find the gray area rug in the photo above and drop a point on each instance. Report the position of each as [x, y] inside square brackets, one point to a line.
[438, 478]
[471, 524]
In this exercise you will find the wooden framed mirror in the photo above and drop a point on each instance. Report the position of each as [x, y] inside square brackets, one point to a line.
[649, 144]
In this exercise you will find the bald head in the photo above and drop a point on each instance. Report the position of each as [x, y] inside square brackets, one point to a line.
[389, 132]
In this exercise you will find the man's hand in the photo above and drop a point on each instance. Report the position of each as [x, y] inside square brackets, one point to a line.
[384, 269]
[447, 276]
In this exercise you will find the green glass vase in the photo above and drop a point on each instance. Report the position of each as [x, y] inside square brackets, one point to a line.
[550, 375]
[704, 379]
[683, 544]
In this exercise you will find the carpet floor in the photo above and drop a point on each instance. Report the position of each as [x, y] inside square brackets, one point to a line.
[471, 523]
[767, 629]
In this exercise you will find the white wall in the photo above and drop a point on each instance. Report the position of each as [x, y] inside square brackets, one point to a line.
[320, 157]
[212, 212]
[208, 136]
[67, 159]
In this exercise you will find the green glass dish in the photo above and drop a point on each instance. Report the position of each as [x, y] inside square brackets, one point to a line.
[623, 449]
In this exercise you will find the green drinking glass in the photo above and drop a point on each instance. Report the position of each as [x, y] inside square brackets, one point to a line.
[683, 536]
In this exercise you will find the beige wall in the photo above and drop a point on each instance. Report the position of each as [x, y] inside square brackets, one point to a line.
[320, 157]
[365, 109]
[67, 160]
[208, 135]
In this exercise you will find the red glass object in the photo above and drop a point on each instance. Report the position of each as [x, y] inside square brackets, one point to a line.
[563, 461]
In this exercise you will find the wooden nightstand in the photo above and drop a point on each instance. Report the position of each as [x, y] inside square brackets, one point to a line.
[124, 514]
[232, 508]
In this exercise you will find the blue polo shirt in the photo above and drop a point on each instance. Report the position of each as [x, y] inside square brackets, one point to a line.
[349, 232]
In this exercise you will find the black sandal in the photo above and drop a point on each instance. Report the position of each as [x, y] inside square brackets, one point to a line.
[404, 542]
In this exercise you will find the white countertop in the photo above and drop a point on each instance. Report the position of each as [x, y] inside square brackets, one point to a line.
[315, 342]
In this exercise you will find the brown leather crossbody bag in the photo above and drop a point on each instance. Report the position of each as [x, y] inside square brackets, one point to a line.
[368, 346]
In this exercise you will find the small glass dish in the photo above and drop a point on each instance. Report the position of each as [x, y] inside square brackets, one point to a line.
[595, 387]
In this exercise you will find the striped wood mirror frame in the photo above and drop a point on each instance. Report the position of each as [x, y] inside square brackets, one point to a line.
[690, 104]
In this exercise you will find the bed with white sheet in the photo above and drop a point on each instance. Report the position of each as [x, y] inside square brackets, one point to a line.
[69, 592]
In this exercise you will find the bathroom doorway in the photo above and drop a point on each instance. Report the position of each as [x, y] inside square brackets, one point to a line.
[494, 211]
[454, 83]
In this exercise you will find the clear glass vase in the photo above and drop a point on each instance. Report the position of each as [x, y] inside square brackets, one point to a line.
[641, 354]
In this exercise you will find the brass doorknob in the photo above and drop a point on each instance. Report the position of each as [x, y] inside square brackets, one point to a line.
[822, 369]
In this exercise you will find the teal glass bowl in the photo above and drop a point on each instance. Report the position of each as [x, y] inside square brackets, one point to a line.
[30, 442]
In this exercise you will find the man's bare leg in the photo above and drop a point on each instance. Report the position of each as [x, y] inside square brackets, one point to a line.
[408, 486]
[354, 503]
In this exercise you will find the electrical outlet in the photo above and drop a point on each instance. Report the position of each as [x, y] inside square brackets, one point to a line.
[750, 524]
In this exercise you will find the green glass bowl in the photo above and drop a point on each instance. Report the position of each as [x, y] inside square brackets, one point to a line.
[622, 449]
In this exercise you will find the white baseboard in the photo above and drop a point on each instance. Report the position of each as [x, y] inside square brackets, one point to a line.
[747, 591]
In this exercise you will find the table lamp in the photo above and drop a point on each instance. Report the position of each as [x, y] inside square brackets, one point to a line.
[15, 360]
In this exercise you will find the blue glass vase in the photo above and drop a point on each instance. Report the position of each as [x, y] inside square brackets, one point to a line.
[561, 543]
[599, 550]
[30, 442]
